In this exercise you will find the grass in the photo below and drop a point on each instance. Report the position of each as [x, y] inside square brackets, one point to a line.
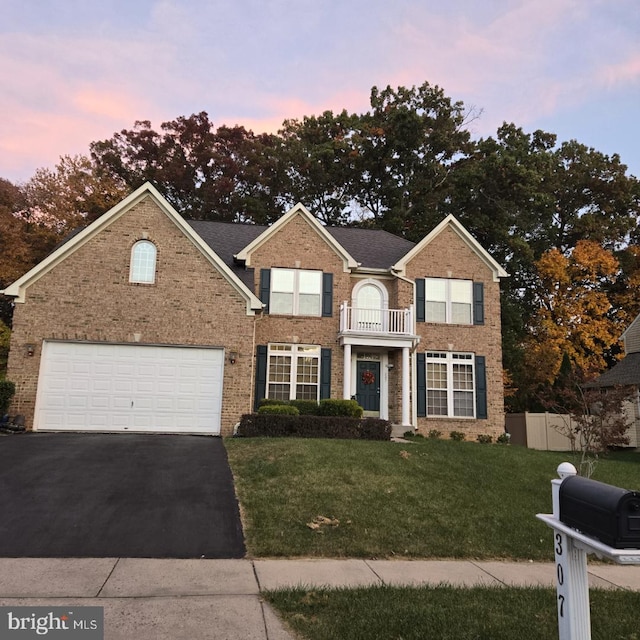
[426, 499]
[446, 613]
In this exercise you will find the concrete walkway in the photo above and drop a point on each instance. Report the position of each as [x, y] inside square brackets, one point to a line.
[220, 599]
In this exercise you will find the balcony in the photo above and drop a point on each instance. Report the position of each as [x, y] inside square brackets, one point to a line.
[376, 322]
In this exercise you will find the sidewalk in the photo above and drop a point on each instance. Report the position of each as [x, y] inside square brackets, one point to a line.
[220, 599]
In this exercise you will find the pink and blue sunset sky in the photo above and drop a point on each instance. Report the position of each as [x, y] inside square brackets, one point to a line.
[76, 71]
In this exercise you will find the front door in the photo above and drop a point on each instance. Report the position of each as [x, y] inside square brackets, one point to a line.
[368, 387]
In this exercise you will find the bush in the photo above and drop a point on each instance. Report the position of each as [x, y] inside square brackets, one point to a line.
[458, 436]
[306, 407]
[266, 402]
[434, 434]
[503, 438]
[278, 409]
[335, 407]
[7, 389]
[278, 425]
[484, 438]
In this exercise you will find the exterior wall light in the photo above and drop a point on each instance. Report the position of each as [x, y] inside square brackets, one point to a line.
[30, 349]
[233, 356]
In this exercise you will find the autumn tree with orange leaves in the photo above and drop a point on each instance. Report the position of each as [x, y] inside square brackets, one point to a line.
[573, 312]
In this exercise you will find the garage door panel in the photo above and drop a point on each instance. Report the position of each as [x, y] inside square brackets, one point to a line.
[87, 386]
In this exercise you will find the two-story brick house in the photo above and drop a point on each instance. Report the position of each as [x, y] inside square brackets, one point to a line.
[143, 321]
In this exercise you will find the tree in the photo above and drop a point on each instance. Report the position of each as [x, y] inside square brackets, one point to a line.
[406, 147]
[5, 336]
[573, 315]
[594, 418]
[229, 174]
[73, 194]
[319, 157]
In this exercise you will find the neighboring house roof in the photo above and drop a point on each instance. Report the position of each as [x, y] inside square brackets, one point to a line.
[452, 223]
[18, 288]
[624, 373]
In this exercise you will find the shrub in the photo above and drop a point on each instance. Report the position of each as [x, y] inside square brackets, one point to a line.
[306, 407]
[278, 425]
[278, 409]
[7, 389]
[335, 407]
[484, 438]
[434, 434]
[503, 438]
[458, 436]
[265, 402]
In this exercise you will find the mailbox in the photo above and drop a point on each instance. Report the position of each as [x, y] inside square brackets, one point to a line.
[605, 512]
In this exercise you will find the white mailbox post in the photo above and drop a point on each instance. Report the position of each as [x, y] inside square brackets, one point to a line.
[571, 548]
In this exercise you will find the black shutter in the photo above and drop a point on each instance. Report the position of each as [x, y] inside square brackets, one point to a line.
[261, 375]
[481, 388]
[420, 300]
[325, 374]
[265, 287]
[421, 384]
[478, 303]
[327, 295]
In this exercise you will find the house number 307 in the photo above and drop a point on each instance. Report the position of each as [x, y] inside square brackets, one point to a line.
[560, 574]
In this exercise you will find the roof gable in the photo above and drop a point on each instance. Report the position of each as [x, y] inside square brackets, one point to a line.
[452, 223]
[147, 190]
[299, 210]
[631, 336]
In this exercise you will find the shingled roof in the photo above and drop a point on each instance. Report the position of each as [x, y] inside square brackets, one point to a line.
[372, 248]
[624, 373]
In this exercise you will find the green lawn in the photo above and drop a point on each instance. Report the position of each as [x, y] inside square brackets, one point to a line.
[447, 613]
[425, 499]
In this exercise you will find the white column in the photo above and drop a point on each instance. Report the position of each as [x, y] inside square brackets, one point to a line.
[346, 374]
[406, 386]
[574, 620]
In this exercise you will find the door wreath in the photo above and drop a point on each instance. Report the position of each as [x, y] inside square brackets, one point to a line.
[368, 377]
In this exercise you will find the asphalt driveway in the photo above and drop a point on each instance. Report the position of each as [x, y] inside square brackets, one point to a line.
[117, 495]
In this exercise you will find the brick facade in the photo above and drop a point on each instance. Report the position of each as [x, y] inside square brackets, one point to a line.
[448, 256]
[87, 296]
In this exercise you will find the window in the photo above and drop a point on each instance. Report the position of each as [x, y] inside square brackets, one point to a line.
[293, 372]
[143, 262]
[448, 300]
[450, 384]
[296, 292]
[369, 304]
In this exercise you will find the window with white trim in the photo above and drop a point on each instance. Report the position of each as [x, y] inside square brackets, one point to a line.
[293, 372]
[450, 384]
[143, 262]
[448, 300]
[295, 292]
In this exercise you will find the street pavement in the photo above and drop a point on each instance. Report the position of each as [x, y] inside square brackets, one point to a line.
[172, 599]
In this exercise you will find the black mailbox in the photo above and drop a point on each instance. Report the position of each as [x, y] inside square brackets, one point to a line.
[605, 512]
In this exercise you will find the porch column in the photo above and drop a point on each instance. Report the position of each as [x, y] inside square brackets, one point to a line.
[406, 386]
[346, 374]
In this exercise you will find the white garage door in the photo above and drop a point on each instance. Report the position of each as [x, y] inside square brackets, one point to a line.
[115, 387]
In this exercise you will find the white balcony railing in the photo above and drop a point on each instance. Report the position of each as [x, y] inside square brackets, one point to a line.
[376, 321]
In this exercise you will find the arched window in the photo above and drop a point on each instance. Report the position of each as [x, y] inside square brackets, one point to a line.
[369, 296]
[143, 262]
[370, 302]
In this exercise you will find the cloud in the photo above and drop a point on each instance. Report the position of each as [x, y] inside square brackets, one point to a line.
[258, 63]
